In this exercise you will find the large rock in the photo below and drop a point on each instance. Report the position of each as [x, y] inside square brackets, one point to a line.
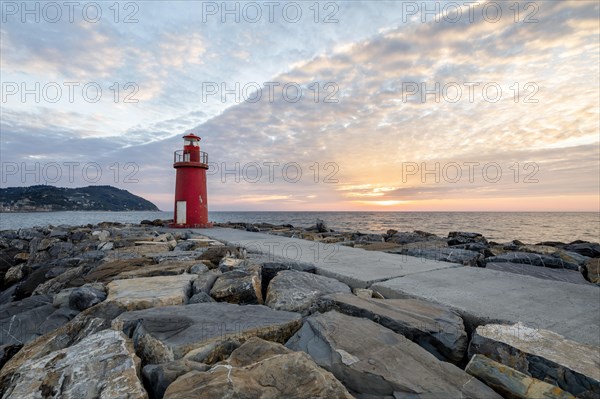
[434, 327]
[147, 292]
[168, 268]
[100, 366]
[528, 258]
[261, 370]
[569, 276]
[25, 320]
[56, 284]
[239, 286]
[169, 333]
[298, 291]
[462, 237]
[454, 255]
[541, 354]
[108, 271]
[591, 249]
[205, 281]
[593, 270]
[375, 362]
[512, 383]
[87, 296]
[158, 377]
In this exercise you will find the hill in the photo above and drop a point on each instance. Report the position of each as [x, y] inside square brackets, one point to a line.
[43, 198]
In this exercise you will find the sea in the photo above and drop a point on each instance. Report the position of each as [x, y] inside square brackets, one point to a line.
[528, 227]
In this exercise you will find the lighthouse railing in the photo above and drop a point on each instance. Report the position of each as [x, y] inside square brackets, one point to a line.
[180, 156]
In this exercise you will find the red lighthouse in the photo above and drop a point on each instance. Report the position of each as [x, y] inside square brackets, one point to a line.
[191, 202]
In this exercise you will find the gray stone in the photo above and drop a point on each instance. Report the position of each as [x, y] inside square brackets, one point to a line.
[159, 376]
[375, 362]
[260, 369]
[461, 237]
[565, 275]
[408, 237]
[201, 297]
[100, 366]
[239, 286]
[435, 328]
[185, 246]
[529, 258]
[543, 355]
[59, 282]
[198, 268]
[13, 275]
[591, 249]
[169, 333]
[87, 296]
[298, 291]
[453, 255]
[205, 281]
[512, 383]
[25, 320]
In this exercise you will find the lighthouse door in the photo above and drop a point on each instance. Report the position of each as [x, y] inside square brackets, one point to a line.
[181, 212]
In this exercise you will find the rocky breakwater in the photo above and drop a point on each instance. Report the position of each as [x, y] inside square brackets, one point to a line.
[142, 311]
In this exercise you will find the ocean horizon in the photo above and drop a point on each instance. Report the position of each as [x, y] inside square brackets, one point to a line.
[529, 227]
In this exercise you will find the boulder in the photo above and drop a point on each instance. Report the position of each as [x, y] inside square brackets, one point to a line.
[13, 275]
[101, 365]
[511, 383]
[108, 271]
[239, 286]
[409, 237]
[148, 292]
[264, 370]
[168, 268]
[375, 362]
[592, 267]
[169, 333]
[541, 354]
[298, 291]
[201, 297]
[25, 320]
[569, 276]
[63, 280]
[449, 254]
[527, 258]
[157, 377]
[435, 328]
[87, 296]
[462, 237]
[590, 249]
[198, 268]
[204, 282]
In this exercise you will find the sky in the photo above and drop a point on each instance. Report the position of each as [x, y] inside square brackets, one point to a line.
[332, 106]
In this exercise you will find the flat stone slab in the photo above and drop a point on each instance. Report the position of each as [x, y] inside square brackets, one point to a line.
[355, 267]
[147, 292]
[485, 296]
[569, 276]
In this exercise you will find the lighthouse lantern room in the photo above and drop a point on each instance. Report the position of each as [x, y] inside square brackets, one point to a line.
[191, 202]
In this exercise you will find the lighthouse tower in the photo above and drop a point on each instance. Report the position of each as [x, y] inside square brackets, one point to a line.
[191, 202]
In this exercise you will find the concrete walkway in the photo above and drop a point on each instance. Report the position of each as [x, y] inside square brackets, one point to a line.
[479, 295]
